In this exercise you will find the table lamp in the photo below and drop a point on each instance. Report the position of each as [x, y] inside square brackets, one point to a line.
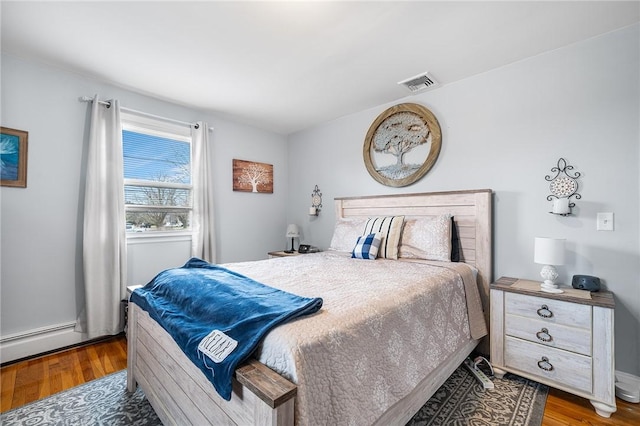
[292, 232]
[549, 252]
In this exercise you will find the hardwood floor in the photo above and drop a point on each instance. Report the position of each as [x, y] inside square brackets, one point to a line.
[563, 408]
[33, 379]
[30, 380]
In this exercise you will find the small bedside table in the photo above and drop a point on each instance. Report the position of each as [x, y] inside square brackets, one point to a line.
[562, 340]
[273, 254]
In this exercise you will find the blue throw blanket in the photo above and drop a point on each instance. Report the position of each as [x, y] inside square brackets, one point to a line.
[217, 316]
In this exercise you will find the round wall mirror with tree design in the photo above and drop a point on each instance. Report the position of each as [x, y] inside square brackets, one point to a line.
[402, 144]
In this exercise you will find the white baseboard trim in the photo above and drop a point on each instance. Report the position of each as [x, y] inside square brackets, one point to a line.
[627, 387]
[37, 341]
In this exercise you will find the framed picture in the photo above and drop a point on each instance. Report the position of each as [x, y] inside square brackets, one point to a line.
[13, 157]
[402, 144]
[249, 176]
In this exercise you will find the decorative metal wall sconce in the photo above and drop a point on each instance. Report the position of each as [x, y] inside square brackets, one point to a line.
[316, 202]
[563, 186]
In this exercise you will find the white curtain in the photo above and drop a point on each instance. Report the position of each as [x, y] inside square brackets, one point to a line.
[104, 240]
[203, 242]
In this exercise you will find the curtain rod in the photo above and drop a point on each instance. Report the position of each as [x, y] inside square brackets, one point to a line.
[108, 104]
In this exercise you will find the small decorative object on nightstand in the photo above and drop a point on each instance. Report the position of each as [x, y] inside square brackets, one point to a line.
[562, 340]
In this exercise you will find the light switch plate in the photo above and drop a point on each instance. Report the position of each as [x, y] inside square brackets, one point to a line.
[604, 222]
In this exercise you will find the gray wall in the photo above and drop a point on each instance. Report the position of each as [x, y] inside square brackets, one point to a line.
[41, 226]
[505, 130]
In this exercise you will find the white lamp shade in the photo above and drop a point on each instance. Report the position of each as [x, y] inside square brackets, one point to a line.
[293, 231]
[549, 251]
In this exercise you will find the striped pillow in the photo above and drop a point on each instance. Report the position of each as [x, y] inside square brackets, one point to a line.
[390, 227]
[367, 246]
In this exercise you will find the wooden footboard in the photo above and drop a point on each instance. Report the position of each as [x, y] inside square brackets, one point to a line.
[181, 394]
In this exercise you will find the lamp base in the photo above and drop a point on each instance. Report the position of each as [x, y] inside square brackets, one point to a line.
[548, 284]
[292, 249]
[549, 274]
[555, 289]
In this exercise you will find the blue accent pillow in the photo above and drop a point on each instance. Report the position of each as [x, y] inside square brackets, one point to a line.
[367, 246]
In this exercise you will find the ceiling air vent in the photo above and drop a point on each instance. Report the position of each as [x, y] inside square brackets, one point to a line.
[420, 82]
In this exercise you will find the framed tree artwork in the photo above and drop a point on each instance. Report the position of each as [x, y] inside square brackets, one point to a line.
[402, 144]
[249, 176]
[13, 157]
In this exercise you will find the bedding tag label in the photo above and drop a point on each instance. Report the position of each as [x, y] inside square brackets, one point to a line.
[217, 346]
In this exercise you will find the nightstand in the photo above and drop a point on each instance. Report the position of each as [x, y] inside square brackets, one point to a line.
[273, 254]
[562, 340]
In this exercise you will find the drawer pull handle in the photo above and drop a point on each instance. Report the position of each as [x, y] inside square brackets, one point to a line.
[544, 364]
[544, 335]
[544, 312]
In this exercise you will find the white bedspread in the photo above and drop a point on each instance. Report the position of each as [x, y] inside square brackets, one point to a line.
[384, 325]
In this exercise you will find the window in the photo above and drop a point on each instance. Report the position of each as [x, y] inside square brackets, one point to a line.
[157, 175]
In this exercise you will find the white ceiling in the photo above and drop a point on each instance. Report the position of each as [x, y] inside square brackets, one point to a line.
[286, 66]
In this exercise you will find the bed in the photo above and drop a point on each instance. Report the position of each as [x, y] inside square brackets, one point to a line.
[297, 385]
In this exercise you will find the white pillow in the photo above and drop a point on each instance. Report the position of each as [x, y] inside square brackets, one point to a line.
[391, 228]
[345, 233]
[427, 238]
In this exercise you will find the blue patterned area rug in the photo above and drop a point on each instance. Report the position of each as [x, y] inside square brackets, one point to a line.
[104, 401]
[459, 401]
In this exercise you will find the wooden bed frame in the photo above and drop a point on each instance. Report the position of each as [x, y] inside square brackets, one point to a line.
[181, 394]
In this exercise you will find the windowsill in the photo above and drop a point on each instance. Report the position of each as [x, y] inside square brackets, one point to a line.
[158, 236]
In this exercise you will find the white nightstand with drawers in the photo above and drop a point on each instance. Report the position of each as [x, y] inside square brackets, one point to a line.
[562, 340]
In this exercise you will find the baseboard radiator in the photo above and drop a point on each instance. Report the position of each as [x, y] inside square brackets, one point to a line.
[38, 340]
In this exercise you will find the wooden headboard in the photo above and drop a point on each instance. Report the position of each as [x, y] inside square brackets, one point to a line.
[471, 211]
